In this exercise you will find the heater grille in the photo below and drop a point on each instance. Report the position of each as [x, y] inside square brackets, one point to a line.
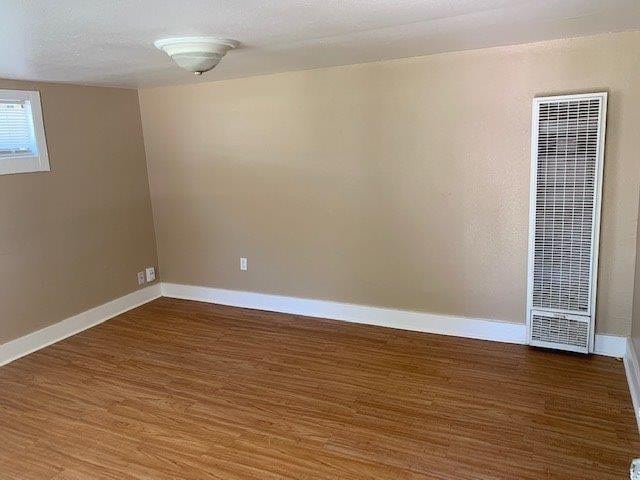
[567, 160]
[566, 185]
[560, 330]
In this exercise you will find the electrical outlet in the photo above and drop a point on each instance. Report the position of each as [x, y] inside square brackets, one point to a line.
[141, 279]
[151, 274]
[243, 263]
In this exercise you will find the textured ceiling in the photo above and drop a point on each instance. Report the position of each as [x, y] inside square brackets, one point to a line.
[110, 42]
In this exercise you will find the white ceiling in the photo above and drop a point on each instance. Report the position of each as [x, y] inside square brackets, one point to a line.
[110, 42]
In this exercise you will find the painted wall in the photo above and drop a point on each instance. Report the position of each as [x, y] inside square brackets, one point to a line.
[74, 238]
[635, 324]
[402, 184]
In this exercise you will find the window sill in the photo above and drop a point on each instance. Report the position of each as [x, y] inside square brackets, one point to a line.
[23, 164]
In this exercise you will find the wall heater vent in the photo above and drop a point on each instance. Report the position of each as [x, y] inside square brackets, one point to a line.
[553, 329]
[566, 184]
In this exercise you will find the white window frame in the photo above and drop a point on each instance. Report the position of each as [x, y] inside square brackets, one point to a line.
[27, 163]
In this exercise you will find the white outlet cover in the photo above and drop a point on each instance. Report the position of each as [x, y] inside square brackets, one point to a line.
[243, 263]
[151, 274]
[141, 278]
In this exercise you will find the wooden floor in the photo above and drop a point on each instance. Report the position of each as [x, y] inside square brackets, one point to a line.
[186, 390]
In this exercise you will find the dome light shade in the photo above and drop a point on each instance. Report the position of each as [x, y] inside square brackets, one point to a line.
[196, 54]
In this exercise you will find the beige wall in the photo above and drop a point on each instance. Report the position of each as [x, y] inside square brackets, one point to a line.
[74, 238]
[403, 184]
[635, 325]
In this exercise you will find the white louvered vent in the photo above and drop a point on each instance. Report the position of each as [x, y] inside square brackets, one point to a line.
[560, 330]
[567, 157]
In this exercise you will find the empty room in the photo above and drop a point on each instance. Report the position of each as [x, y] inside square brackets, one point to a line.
[320, 239]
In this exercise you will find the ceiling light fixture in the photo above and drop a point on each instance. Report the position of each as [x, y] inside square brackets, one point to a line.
[196, 54]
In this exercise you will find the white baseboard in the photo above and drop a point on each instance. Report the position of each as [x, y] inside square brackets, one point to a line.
[479, 328]
[610, 346]
[632, 368]
[383, 317]
[22, 346]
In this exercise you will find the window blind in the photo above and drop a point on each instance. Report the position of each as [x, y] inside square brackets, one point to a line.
[16, 128]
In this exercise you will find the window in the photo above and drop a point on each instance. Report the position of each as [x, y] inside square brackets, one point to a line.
[23, 147]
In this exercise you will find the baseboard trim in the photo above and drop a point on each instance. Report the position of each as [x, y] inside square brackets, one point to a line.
[31, 342]
[610, 346]
[632, 369]
[478, 328]
[384, 317]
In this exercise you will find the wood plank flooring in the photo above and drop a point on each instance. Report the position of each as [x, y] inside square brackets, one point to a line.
[185, 390]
